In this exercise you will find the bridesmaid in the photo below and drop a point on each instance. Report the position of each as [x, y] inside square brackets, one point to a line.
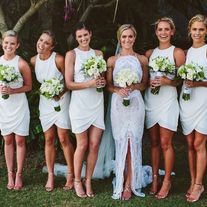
[48, 65]
[162, 110]
[193, 113]
[86, 108]
[14, 111]
[127, 122]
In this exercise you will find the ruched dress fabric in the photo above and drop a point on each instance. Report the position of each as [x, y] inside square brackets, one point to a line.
[127, 128]
[46, 70]
[87, 105]
[14, 111]
[193, 113]
[163, 108]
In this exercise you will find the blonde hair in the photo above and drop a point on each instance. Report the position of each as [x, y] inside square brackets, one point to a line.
[11, 33]
[165, 19]
[124, 27]
[197, 18]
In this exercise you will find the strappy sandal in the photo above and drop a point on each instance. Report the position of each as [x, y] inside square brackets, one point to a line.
[127, 193]
[164, 191]
[50, 188]
[196, 193]
[70, 179]
[87, 184]
[11, 176]
[79, 189]
[18, 181]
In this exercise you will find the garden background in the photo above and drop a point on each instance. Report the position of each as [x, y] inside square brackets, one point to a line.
[30, 18]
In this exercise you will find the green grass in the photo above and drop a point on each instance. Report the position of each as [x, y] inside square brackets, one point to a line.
[34, 194]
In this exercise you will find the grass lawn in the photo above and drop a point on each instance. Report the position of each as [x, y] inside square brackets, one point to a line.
[34, 194]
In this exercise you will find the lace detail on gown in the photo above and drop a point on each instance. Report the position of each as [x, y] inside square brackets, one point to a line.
[127, 128]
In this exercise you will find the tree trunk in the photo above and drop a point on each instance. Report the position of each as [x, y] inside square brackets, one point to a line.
[33, 8]
[3, 25]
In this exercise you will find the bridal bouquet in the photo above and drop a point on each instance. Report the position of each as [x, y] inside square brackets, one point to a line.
[125, 78]
[161, 66]
[50, 89]
[94, 67]
[191, 72]
[8, 75]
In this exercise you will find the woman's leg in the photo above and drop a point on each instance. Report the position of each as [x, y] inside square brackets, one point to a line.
[155, 156]
[20, 156]
[200, 148]
[191, 160]
[127, 193]
[166, 136]
[50, 157]
[9, 157]
[68, 151]
[94, 142]
[82, 145]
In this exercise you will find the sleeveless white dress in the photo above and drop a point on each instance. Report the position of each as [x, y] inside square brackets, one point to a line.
[46, 70]
[162, 108]
[127, 127]
[14, 111]
[193, 113]
[87, 105]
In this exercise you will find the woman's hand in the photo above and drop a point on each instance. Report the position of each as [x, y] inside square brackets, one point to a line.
[97, 82]
[5, 90]
[100, 82]
[189, 83]
[123, 92]
[159, 81]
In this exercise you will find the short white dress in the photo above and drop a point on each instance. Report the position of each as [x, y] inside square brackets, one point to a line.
[163, 108]
[127, 127]
[14, 111]
[46, 70]
[87, 105]
[193, 113]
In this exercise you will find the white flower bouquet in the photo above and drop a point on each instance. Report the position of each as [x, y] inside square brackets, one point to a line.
[191, 72]
[94, 67]
[125, 78]
[51, 88]
[161, 66]
[7, 76]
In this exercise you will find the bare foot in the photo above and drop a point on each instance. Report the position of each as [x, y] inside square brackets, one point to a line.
[79, 189]
[50, 183]
[164, 191]
[10, 184]
[190, 189]
[70, 182]
[89, 191]
[127, 193]
[196, 193]
[154, 186]
[18, 181]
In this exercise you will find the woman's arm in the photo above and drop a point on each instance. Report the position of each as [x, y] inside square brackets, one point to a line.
[123, 92]
[144, 82]
[27, 79]
[179, 58]
[69, 74]
[192, 84]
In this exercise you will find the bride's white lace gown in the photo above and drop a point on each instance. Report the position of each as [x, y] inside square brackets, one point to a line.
[127, 127]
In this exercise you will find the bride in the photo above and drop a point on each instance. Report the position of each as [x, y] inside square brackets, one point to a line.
[127, 121]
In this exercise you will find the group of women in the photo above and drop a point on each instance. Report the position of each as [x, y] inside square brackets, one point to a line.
[83, 111]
